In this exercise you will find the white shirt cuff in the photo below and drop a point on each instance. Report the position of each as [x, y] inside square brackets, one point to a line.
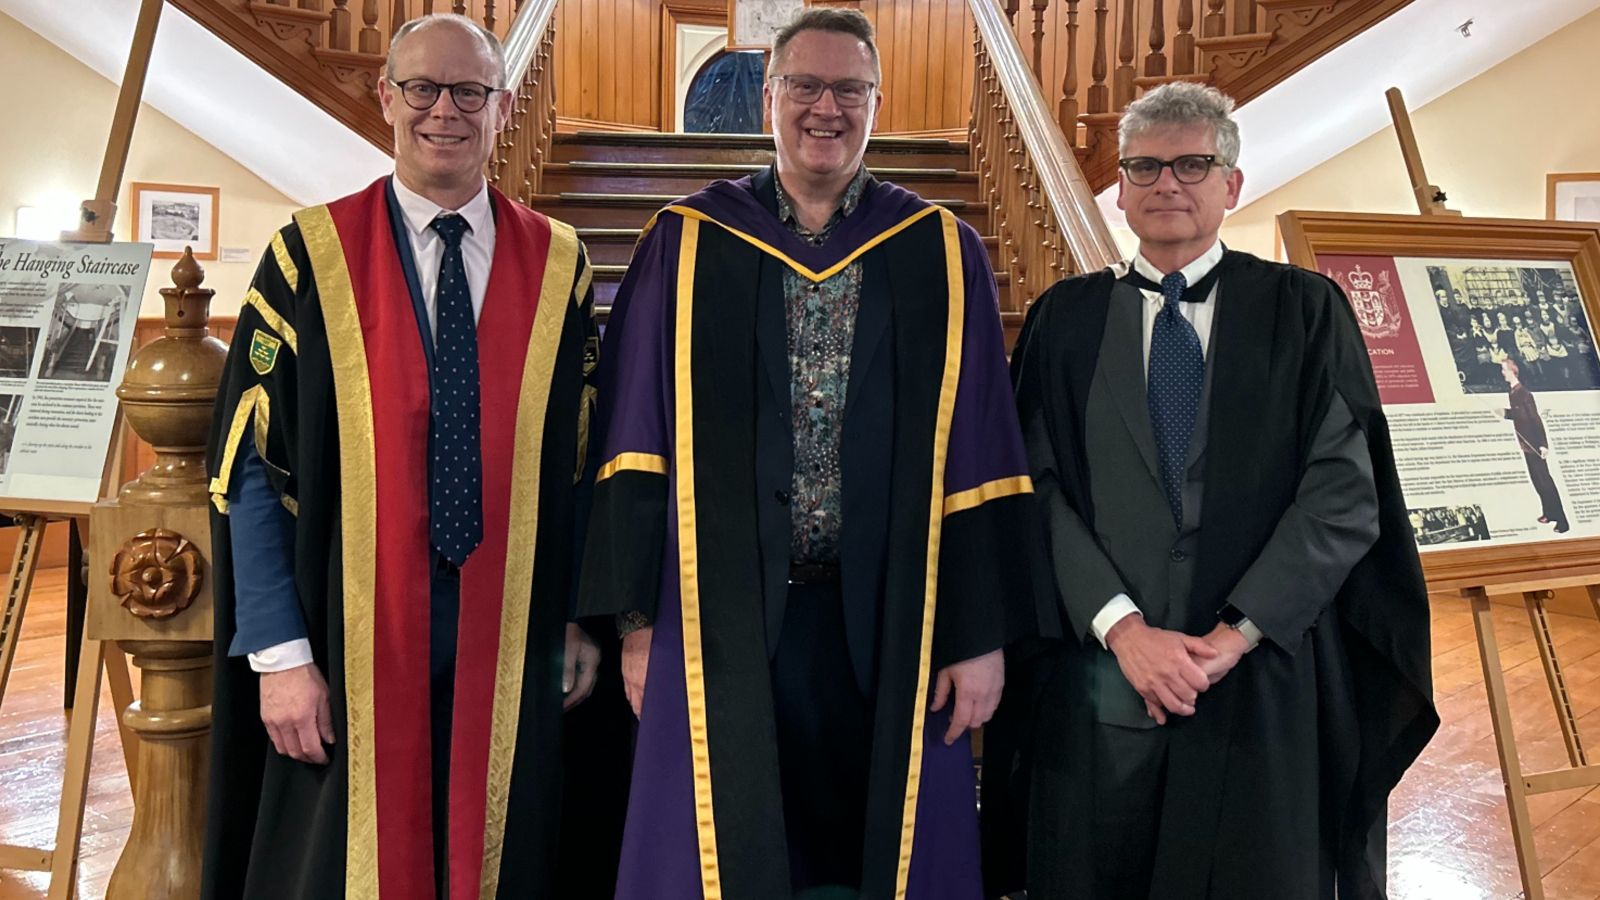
[282, 657]
[1120, 607]
[1252, 635]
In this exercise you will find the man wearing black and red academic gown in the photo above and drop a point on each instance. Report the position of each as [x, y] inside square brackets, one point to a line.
[395, 457]
[1245, 673]
[810, 473]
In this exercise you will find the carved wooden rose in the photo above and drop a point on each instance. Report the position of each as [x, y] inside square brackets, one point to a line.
[156, 574]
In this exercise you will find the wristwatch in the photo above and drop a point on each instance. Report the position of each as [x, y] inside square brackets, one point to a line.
[1234, 618]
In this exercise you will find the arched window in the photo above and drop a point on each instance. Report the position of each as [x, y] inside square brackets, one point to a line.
[725, 95]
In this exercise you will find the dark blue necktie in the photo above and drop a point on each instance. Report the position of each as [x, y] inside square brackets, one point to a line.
[455, 513]
[1172, 393]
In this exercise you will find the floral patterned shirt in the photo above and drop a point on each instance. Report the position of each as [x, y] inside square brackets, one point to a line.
[822, 325]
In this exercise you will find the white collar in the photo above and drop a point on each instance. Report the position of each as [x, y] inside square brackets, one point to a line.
[419, 212]
[1192, 273]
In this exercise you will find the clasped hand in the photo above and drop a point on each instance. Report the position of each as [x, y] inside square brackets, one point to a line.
[1170, 669]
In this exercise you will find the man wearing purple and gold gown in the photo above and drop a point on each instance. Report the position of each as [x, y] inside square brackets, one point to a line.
[804, 517]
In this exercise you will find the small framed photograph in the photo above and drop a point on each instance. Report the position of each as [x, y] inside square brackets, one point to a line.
[175, 216]
[754, 24]
[1572, 197]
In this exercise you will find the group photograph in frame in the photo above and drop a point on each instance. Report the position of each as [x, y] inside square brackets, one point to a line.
[1481, 334]
[175, 216]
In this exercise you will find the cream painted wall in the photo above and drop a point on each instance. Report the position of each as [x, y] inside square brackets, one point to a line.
[51, 153]
[1489, 144]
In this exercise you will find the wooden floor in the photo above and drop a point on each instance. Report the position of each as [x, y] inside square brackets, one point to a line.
[1449, 838]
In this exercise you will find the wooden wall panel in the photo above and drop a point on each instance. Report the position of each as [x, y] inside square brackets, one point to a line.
[608, 56]
[925, 47]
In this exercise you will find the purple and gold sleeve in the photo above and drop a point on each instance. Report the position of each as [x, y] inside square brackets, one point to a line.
[621, 570]
[987, 590]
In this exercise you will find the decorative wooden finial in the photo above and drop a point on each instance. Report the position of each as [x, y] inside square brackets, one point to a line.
[169, 389]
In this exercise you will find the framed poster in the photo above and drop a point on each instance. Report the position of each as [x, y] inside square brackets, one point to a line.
[175, 216]
[1572, 196]
[1482, 337]
[754, 24]
[67, 317]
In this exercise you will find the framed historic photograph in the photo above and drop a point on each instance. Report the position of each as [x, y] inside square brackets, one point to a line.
[1482, 337]
[1572, 196]
[754, 24]
[175, 216]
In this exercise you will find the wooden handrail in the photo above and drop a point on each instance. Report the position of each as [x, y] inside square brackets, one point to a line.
[517, 167]
[527, 33]
[1055, 171]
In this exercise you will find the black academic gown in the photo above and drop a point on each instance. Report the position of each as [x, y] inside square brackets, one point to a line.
[1254, 804]
[328, 378]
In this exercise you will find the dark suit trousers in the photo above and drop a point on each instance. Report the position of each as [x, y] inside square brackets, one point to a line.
[824, 741]
[1545, 485]
[1130, 774]
[444, 610]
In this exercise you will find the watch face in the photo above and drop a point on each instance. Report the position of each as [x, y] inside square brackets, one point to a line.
[1230, 615]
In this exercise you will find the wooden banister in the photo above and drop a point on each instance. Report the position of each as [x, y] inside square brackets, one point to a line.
[1041, 206]
[517, 167]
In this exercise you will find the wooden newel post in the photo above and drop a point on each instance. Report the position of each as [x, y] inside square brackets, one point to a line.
[150, 591]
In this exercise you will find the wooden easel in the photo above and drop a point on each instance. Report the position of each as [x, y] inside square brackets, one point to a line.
[1536, 587]
[61, 861]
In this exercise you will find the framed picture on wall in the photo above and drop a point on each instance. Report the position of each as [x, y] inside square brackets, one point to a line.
[1572, 197]
[754, 24]
[175, 216]
[1482, 338]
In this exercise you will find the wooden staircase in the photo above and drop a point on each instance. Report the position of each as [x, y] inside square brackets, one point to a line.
[609, 184]
[1041, 126]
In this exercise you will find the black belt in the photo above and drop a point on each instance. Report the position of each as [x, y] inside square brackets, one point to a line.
[814, 573]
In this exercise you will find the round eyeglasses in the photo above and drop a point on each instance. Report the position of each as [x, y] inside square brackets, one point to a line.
[468, 96]
[1191, 168]
[847, 92]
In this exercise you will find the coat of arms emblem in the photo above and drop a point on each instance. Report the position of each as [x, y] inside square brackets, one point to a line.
[1374, 300]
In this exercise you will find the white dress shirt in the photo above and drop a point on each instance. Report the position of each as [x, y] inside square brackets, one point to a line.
[427, 248]
[1200, 315]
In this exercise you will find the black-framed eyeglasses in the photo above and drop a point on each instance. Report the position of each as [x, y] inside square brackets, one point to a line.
[847, 92]
[421, 94]
[1191, 168]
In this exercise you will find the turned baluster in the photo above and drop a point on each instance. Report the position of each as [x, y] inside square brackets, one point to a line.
[1015, 221]
[339, 25]
[488, 15]
[1183, 61]
[427, 7]
[975, 118]
[1099, 95]
[1122, 86]
[996, 143]
[397, 16]
[1067, 112]
[1011, 12]
[1216, 18]
[1039, 7]
[1244, 16]
[459, 7]
[371, 40]
[1155, 64]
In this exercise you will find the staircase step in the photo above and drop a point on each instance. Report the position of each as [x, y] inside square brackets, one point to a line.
[589, 210]
[685, 178]
[654, 147]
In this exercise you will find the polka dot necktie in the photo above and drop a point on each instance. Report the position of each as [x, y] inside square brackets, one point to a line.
[455, 513]
[1172, 393]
